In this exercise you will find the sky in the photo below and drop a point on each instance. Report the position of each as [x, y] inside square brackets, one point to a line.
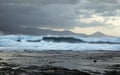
[79, 16]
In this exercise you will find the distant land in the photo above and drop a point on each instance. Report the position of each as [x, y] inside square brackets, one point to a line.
[35, 31]
[100, 34]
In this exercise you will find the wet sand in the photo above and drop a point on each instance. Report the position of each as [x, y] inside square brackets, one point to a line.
[92, 62]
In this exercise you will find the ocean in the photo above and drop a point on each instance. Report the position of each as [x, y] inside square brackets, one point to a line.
[76, 43]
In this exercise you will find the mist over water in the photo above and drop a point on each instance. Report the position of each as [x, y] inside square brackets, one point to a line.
[25, 42]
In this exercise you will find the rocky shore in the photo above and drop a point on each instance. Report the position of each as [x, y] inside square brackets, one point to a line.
[60, 63]
[9, 69]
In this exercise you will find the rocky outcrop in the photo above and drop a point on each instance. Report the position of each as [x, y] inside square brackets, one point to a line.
[9, 69]
[112, 72]
[15, 69]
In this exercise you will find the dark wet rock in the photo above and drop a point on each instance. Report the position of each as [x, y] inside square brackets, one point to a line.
[112, 73]
[52, 70]
[1, 59]
[64, 72]
[94, 61]
[4, 64]
[19, 40]
[32, 68]
[5, 69]
[36, 73]
[115, 70]
[51, 62]
[103, 56]
[115, 66]
[8, 64]
[10, 71]
[42, 70]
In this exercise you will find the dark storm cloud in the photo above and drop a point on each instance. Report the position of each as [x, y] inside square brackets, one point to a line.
[53, 13]
[40, 2]
[17, 13]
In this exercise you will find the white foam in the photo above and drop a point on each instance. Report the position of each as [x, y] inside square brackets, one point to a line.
[10, 43]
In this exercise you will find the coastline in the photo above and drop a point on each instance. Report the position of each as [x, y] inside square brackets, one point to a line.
[92, 62]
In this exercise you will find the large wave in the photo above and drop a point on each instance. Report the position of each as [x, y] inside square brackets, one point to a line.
[24, 42]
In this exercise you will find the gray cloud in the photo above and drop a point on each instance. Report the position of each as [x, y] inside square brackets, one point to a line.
[53, 13]
[105, 7]
[104, 1]
[49, 15]
[40, 2]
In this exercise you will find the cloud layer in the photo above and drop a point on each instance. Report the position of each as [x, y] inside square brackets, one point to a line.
[59, 14]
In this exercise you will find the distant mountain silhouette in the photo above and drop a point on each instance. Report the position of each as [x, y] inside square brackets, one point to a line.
[99, 34]
[36, 31]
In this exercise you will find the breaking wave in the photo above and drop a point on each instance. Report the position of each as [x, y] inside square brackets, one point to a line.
[24, 42]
